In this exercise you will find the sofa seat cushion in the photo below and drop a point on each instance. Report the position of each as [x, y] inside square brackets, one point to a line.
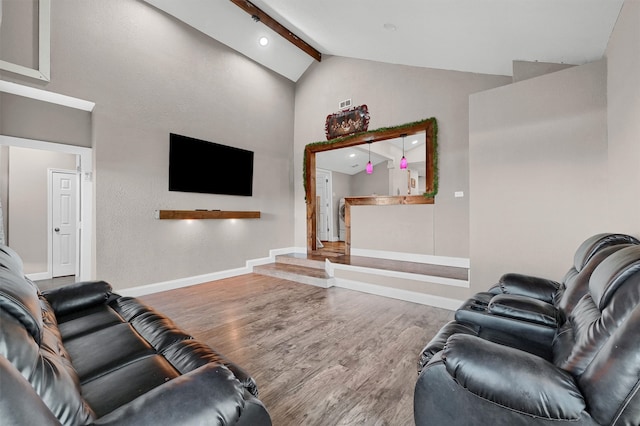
[90, 320]
[98, 353]
[115, 388]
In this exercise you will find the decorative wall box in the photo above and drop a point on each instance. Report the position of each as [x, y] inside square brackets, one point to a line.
[347, 122]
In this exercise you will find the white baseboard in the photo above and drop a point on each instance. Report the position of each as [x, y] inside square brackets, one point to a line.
[410, 296]
[394, 293]
[459, 262]
[213, 276]
[39, 276]
[182, 282]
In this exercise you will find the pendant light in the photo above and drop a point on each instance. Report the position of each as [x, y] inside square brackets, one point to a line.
[403, 161]
[369, 168]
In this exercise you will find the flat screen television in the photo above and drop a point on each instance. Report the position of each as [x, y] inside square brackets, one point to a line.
[206, 167]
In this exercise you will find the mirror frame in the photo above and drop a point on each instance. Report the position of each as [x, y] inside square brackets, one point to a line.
[429, 126]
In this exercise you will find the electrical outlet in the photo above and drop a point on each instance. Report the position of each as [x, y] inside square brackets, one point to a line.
[458, 194]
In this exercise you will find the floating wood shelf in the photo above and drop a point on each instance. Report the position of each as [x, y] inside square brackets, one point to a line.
[205, 214]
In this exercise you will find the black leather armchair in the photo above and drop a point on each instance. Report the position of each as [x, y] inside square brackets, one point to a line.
[536, 306]
[573, 285]
[590, 377]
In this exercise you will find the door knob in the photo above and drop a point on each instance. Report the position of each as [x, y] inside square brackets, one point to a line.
[57, 229]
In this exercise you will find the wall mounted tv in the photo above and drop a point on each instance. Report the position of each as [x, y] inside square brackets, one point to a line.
[206, 167]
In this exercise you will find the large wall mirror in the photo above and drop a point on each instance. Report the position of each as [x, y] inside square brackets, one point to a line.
[346, 159]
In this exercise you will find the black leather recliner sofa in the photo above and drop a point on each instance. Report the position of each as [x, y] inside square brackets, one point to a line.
[82, 355]
[504, 373]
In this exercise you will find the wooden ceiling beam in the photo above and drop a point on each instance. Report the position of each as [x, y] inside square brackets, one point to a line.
[259, 15]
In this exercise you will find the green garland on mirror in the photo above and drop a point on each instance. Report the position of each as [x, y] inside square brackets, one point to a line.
[383, 129]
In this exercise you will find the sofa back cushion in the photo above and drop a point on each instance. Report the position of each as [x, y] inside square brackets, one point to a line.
[19, 298]
[614, 293]
[612, 274]
[9, 259]
[611, 381]
[46, 367]
[577, 284]
[594, 244]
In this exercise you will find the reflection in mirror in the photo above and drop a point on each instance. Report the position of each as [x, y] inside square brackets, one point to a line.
[405, 187]
[350, 178]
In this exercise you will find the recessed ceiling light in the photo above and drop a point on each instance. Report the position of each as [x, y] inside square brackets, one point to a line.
[263, 41]
[414, 142]
[390, 27]
[352, 155]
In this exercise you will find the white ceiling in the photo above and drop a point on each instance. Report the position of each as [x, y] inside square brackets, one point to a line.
[354, 160]
[480, 36]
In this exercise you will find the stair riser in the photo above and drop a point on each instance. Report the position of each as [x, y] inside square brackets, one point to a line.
[315, 264]
[318, 282]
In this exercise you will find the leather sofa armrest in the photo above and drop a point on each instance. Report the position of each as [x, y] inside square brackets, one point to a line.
[525, 309]
[78, 296]
[436, 344]
[511, 378]
[526, 285]
[207, 394]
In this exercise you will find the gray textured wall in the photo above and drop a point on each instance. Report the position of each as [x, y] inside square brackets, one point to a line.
[150, 75]
[623, 97]
[28, 202]
[538, 172]
[397, 94]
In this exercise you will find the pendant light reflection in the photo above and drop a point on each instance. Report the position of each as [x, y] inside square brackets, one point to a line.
[403, 161]
[369, 168]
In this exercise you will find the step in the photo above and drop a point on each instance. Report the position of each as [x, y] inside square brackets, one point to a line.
[301, 259]
[301, 274]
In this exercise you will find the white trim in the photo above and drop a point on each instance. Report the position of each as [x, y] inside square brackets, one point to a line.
[183, 282]
[406, 295]
[459, 262]
[213, 276]
[85, 193]
[272, 256]
[331, 229]
[44, 47]
[331, 267]
[46, 96]
[36, 276]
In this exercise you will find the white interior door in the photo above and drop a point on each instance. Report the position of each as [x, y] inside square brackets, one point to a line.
[323, 191]
[64, 205]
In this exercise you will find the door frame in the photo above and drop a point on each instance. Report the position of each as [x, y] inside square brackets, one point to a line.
[50, 200]
[330, 202]
[86, 248]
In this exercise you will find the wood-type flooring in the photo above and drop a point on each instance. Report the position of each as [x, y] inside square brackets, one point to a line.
[320, 356]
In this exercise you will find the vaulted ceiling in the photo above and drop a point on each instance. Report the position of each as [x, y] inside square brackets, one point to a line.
[480, 36]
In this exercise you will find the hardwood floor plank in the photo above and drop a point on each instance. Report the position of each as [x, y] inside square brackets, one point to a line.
[320, 356]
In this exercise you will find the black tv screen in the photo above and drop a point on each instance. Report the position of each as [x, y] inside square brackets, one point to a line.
[206, 167]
